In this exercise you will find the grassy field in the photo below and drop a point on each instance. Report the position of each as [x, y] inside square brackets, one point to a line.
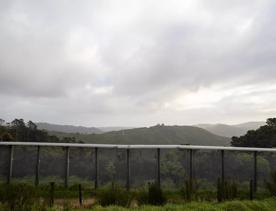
[260, 205]
[25, 197]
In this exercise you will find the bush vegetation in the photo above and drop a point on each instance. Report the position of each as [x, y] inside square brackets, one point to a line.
[18, 197]
[271, 185]
[25, 197]
[114, 195]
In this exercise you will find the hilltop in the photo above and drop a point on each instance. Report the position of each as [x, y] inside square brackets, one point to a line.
[67, 128]
[158, 134]
[231, 130]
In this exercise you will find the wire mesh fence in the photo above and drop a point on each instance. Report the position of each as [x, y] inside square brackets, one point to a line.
[133, 166]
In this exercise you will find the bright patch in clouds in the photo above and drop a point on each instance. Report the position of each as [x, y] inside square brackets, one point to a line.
[259, 95]
[203, 98]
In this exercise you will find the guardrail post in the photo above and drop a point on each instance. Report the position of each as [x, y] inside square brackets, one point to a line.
[251, 191]
[11, 152]
[222, 174]
[67, 163]
[80, 195]
[96, 168]
[219, 190]
[191, 165]
[127, 171]
[158, 168]
[222, 166]
[37, 166]
[255, 172]
[52, 194]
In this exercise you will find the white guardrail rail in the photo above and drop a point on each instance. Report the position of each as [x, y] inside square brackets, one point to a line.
[138, 146]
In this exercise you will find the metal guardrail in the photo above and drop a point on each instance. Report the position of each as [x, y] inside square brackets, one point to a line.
[138, 146]
[190, 148]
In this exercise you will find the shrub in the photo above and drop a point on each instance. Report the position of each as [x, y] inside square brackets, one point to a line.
[152, 194]
[19, 197]
[189, 191]
[142, 197]
[271, 185]
[226, 190]
[155, 195]
[114, 195]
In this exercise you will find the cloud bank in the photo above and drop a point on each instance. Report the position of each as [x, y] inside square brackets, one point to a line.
[137, 62]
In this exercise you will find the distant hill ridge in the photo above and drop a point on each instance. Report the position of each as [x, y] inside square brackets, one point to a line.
[218, 129]
[67, 128]
[76, 129]
[231, 130]
[153, 135]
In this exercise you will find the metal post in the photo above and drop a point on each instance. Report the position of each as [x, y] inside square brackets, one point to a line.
[96, 168]
[222, 174]
[67, 167]
[251, 191]
[158, 168]
[80, 195]
[222, 167]
[11, 151]
[191, 165]
[52, 193]
[255, 172]
[37, 166]
[127, 171]
[219, 191]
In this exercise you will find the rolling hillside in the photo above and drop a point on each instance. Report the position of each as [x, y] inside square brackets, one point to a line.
[67, 128]
[217, 129]
[154, 135]
[231, 130]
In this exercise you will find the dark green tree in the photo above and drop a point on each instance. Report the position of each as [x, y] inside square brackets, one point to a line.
[265, 136]
[6, 136]
[31, 125]
[2, 121]
[20, 129]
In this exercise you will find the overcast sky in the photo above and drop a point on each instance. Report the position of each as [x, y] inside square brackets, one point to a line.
[137, 63]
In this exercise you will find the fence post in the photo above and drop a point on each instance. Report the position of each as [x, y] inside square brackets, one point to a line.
[219, 191]
[67, 166]
[251, 194]
[222, 166]
[128, 171]
[255, 172]
[37, 166]
[52, 193]
[222, 174]
[11, 152]
[80, 194]
[191, 165]
[158, 168]
[96, 168]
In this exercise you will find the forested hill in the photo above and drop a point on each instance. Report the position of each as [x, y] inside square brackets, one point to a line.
[67, 128]
[154, 135]
[231, 130]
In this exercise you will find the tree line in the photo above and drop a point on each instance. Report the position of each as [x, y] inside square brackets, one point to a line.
[18, 130]
[265, 136]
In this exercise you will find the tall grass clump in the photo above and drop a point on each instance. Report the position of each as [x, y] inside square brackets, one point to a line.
[189, 190]
[226, 190]
[114, 195]
[271, 185]
[18, 197]
[154, 195]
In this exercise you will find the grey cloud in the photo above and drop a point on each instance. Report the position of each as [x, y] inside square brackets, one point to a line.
[54, 54]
